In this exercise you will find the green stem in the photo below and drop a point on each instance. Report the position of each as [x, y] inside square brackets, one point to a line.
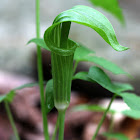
[11, 120]
[75, 67]
[40, 73]
[61, 114]
[111, 125]
[55, 130]
[103, 117]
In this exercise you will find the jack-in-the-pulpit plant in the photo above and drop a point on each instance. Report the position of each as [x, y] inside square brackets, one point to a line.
[62, 51]
[57, 42]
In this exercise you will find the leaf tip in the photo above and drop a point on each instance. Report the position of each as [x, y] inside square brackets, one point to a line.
[121, 48]
[30, 41]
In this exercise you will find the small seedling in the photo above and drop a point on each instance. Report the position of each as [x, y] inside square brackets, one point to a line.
[7, 99]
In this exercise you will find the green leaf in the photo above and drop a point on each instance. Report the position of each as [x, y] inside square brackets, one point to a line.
[82, 76]
[106, 64]
[7, 97]
[84, 54]
[10, 96]
[98, 75]
[123, 86]
[85, 16]
[49, 96]
[40, 42]
[28, 85]
[86, 107]
[111, 6]
[117, 136]
[81, 53]
[132, 100]
[135, 114]
[2, 98]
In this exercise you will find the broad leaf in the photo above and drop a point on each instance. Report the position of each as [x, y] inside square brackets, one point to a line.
[84, 54]
[123, 86]
[132, 100]
[82, 76]
[106, 64]
[49, 96]
[86, 107]
[81, 53]
[98, 75]
[85, 16]
[110, 6]
[40, 42]
[117, 136]
[135, 114]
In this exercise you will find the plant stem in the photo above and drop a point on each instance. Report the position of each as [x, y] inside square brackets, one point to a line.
[56, 128]
[40, 73]
[61, 114]
[103, 117]
[11, 120]
[111, 125]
